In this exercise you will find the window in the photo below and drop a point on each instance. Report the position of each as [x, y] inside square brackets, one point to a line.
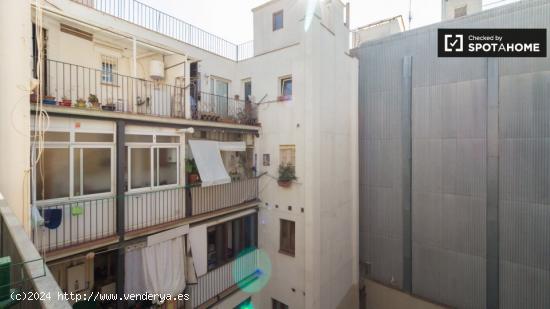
[108, 69]
[287, 155]
[153, 160]
[92, 171]
[275, 304]
[247, 91]
[225, 241]
[461, 11]
[286, 243]
[266, 159]
[278, 20]
[76, 165]
[52, 172]
[286, 87]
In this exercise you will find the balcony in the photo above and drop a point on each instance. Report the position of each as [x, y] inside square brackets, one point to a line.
[209, 199]
[224, 279]
[72, 86]
[154, 208]
[27, 273]
[154, 20]
[82, 221]
[68, 85]
[93, 220]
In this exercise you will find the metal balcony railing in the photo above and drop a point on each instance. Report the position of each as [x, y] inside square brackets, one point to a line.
[222, 278]
[208, 199]
[81, 221]
[209, 106]
[29, 275]
[153, 208]
[152, 19]
[65, 84]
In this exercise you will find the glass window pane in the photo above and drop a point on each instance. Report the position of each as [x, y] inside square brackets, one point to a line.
[94, 137]
[168, 139]
[287, 87]
[135, 138]
[168, 166]
[52, 179]
[140, 167]
[278, 20]
[96, 170]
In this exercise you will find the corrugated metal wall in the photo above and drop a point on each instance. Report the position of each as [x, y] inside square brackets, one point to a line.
[449, 122]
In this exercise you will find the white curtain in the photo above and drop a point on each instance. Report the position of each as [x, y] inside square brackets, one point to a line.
[134, 281]
[209, 162]
[197, 238]
[164, 267]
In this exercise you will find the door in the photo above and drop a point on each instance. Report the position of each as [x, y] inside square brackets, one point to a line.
[247, 91]
[220, 93]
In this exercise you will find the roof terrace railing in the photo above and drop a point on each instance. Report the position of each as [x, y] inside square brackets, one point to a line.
[152, 19]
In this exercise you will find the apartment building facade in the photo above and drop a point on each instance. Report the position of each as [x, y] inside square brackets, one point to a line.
[165, 159]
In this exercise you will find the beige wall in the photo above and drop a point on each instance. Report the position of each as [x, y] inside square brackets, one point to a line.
[379, 296]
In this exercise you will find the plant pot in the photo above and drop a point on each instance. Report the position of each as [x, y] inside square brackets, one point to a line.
[108, 107]
[284, 183]
[34, 98]
[80, 104]
[66, 103]
[49, 101]
[193, 178]
[96, 105]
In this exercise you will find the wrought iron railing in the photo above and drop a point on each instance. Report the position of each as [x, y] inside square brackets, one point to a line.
[75, 222]
[153, 208]
[70, 85]
[152, 19]
[222, 278]
[208, 199]
[28, 273]
[207, 106]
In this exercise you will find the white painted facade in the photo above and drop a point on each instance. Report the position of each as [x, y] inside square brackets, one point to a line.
[377, 30]
[319, 120]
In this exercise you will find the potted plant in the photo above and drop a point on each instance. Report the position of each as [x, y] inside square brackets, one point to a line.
[92, 98]
[49, 100]
[66, 102]
[192, 171]
[81, 103]
[109, 106]
[286, 175]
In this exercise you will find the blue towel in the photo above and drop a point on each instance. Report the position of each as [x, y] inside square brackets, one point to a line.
[52, 218]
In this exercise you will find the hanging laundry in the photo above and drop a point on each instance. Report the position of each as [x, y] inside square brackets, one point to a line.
[52, 218]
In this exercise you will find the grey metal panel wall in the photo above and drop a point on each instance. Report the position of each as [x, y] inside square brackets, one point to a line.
[449, 166]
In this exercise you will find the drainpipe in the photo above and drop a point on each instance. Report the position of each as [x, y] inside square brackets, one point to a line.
[15, 77]
[134, 74]
[187, 91]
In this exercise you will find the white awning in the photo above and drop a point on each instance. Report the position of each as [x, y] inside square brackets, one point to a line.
[232, 146]
[197, 238]
[209, 162]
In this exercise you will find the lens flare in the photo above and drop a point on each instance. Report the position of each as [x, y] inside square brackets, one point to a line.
[310, 11]
[251, 270]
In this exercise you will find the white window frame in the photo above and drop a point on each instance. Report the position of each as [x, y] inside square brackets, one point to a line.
[281, 86]
[153, 165]
[106, 61]
[71, 145]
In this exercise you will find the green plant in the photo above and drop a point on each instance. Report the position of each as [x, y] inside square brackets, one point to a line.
[92, 98]
[287, 172]
[190, 166]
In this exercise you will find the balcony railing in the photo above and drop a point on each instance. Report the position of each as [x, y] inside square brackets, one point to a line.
[28, 272]
[66, 83]
[81, 221]
[218, 108]
[152, 19]
[222, 278]
[208, 199]
[153, 208]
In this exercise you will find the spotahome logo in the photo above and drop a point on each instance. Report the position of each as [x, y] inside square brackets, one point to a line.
[492, 42]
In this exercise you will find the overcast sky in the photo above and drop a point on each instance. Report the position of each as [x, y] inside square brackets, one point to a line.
[232, 19]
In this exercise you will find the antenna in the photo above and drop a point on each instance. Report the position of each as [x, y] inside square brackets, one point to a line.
[410, 14]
